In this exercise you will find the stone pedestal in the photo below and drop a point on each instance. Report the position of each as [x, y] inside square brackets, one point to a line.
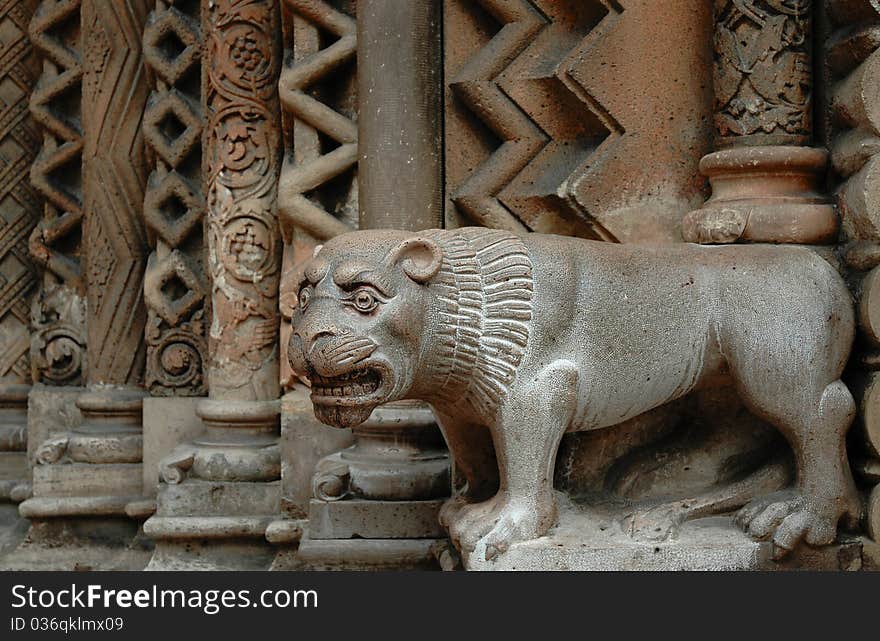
[591, 539]
[213, 525]
[387, 488]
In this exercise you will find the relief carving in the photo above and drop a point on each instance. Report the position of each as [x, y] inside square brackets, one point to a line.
[486, 327]
[763, 71]
[242, 160]
[175, 287]
[114, 95]
[20, 140]
[540, 134]
[58, 314]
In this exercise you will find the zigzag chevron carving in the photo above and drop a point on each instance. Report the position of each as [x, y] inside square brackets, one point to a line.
[310, 166]
[58, 314]
[115, 92]
[575, 116]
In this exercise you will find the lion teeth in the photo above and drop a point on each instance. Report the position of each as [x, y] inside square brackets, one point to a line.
[352, 384]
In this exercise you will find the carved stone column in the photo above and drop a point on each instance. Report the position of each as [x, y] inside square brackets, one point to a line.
[766, 180]
[20, 207]
[57, 351]
[102, 471]
[379, 498]
[176, 279]
[237, 459]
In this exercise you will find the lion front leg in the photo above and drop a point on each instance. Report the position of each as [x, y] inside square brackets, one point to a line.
[473, 452]
[531, 423]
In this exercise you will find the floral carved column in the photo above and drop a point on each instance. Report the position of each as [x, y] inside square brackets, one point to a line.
[237, 458]
[766, 179]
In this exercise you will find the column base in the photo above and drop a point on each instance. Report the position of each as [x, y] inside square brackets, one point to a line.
[214, 525]
[13, 441]
[364, 554]
[765, 194]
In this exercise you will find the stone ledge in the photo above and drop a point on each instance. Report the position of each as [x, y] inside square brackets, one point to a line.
[588, 540]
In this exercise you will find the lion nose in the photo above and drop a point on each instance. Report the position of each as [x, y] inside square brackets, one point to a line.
[316, 337]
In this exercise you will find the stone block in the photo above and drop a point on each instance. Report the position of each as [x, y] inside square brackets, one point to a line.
[588, 539]
[87, 480]
[375, 519]
[214, 498]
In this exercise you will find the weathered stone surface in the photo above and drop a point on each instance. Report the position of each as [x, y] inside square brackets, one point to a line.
[577, 117]
[52, 411]
[363, 554]
[304, 442]
[766, 184]
[58, 315]
[21, 208]
[175, 283]
[590, 540]
[358, 519]
[763, 72]
[80, 545]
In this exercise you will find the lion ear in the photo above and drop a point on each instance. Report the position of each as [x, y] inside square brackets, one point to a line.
[419, 257]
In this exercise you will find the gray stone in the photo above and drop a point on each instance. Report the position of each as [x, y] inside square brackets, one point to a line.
[591, 539]
[51, 411]
[354, 518]
[168, 422]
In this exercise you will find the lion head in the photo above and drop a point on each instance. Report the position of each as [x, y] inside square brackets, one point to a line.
[389, 315]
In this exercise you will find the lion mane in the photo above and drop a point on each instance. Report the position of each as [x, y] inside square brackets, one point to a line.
[484, 312]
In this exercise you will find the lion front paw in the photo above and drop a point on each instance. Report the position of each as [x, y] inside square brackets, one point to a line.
[789, 518]
[491, 527]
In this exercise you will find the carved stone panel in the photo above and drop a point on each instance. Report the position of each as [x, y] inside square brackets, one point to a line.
[763, 72]
[577, 116]
[58, 355]
[20, 203]
[175, 284]
[115, 170]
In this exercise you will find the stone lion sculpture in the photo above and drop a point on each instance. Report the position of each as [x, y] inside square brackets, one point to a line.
[514, 341]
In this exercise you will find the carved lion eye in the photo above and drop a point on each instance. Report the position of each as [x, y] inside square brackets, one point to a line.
[364, 301]
[305, 295]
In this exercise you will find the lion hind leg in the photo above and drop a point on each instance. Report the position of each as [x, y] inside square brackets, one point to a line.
[815, 426]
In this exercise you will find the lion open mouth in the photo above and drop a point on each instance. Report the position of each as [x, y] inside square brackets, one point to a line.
[359, 383]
